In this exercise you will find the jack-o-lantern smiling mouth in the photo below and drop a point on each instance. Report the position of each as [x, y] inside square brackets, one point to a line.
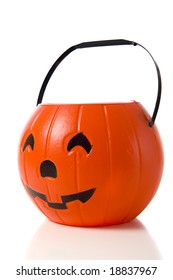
[81, 196]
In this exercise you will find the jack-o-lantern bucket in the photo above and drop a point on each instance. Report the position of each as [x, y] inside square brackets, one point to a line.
[84, 174]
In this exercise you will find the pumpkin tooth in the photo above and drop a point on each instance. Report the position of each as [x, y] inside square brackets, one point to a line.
[82, 196]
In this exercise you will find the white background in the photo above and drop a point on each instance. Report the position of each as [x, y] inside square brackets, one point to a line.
[32, 36]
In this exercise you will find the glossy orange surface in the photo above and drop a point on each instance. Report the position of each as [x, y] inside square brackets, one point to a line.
[90, 164]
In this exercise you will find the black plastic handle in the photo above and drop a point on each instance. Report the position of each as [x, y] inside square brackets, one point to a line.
[104, 43]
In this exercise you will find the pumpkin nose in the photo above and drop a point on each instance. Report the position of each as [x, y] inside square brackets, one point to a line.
[48, 169]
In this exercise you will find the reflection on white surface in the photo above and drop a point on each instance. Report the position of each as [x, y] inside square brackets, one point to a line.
[127, 241]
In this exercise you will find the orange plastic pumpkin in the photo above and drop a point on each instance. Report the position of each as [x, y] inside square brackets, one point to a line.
[80, 173]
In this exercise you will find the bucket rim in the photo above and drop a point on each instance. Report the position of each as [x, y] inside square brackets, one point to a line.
[132, 102]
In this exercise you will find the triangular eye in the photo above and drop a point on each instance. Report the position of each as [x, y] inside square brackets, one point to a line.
[29, 142]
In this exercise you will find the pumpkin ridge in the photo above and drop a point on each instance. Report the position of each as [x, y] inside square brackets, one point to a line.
[129, 119]
[108, 144]
[41, 109]
[46, 145]
[80, 109]
[50, 128]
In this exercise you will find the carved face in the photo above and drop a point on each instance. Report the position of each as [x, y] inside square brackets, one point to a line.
[86, 165]
[48, 169]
